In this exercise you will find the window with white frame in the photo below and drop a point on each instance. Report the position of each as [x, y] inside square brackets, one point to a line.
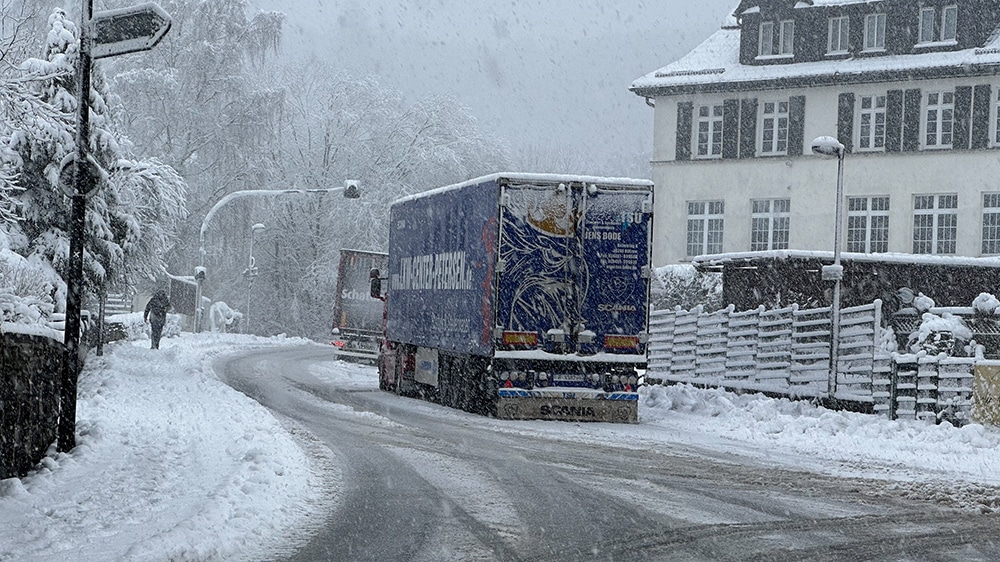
[935, 224]
[765, 44]
[769, 224]
[709, 131]
[939, 119]
[991, 223]
[774, 127]
[770, 44]
[996, 118]
[931, 29]
[838, 35]
[787, 40]
[871, 123]
[926, 30]
[868, 224]
[704, 227]
[874, 32]
[949, 23]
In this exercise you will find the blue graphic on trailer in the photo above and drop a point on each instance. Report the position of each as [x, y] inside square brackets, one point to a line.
[573, 266]
[539, 291]
[616, 246]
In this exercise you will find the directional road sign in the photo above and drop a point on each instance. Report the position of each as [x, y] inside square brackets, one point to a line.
[127, 30]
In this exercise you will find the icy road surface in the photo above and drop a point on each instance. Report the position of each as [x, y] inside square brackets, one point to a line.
[419, 482]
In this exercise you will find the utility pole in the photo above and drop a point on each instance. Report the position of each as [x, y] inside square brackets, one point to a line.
[77, 226]
[122, 31]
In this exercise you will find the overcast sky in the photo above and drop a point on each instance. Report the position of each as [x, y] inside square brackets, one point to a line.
[540, 73]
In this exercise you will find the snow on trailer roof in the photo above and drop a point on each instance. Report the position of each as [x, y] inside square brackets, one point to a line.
[379, 252]
[527, 176]
[716, 261]
[716, 62]
[814, 3]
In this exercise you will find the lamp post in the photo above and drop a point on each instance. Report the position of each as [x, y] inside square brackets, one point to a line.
[350, 190]
[251, 273]
[831, 147]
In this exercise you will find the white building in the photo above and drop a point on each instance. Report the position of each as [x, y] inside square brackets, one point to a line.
[911, 88]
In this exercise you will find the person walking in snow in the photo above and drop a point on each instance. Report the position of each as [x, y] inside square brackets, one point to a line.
[156, 315]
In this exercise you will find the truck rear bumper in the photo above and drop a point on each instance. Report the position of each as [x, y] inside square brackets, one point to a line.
[565, 405]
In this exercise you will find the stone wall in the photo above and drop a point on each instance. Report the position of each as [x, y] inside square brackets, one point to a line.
[30, 368]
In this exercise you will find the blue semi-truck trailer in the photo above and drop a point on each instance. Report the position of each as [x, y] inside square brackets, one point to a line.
[521, 296]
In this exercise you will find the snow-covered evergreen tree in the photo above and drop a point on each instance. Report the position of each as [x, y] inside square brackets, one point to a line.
[129, 217]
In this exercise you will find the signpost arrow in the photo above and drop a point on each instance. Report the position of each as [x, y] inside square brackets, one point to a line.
[127, 30]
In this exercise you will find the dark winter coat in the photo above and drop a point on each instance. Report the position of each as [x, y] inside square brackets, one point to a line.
[157, 308]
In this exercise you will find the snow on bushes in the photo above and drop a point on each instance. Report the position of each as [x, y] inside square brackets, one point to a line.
[985, 303]
[682, 285]
[25, 292]
[940, 334]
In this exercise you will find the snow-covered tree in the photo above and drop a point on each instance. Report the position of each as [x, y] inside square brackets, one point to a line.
[22, 25]
[129, 218]
[196, 101]
[337, 127]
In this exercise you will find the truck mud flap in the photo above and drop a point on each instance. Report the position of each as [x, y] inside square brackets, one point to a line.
[620, 407]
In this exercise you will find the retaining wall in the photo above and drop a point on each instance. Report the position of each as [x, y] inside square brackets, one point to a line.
[30, 368]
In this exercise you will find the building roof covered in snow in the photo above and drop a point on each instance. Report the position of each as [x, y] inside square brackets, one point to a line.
[732, 60]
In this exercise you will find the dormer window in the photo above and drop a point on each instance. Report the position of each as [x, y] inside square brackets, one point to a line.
[935, 28]
[838, 36]
[776, 39]
[874, 32]
[949, 23]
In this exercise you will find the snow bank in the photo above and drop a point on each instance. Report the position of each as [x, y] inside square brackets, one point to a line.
[837, 442]
[170, 464]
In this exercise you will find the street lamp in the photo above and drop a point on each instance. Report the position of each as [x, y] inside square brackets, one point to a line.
[831, 147]
[350, 190]
[251, 273]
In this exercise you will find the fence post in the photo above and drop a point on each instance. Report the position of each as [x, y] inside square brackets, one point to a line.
[893, 389]
[926, 400]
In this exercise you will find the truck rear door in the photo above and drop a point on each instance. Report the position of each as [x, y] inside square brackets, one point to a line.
[571, 267]
[537, 300]
[616, 248]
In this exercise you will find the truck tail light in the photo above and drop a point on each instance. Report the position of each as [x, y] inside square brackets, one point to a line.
[621, 342]
[527, 339]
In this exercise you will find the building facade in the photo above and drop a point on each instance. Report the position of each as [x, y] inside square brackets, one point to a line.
[910, 87]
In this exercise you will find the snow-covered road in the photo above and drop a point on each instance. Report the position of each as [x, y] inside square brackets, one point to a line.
[173, 464]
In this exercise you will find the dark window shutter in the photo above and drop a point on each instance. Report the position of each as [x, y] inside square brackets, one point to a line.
[981, 101]
[684, 114]
[748, 128]
[963, 115]
[893, 120]
[730, 128]
[911, 120]
[796, 124]
[845, 121]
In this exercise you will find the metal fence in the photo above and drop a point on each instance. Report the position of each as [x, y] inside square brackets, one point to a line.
[787, 352]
